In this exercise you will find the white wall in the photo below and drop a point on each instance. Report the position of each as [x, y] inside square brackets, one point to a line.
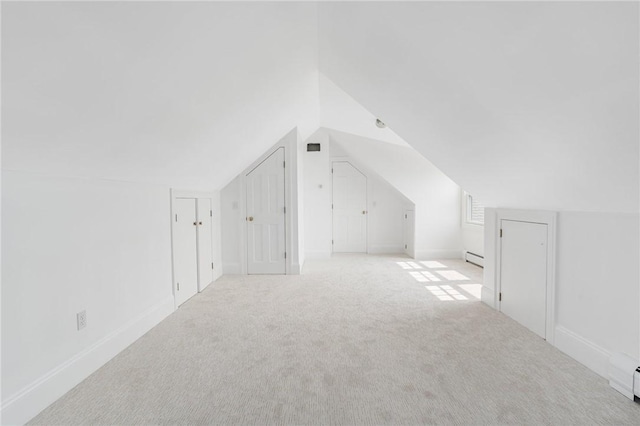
[232, 220]
[317, 201]
[596, 284]
[124, 100]
[436, 197]
[385, 205]
[530, 105]
[386, 216]
[73, 245]
[216, 226]
[122, 90]
[526, 105]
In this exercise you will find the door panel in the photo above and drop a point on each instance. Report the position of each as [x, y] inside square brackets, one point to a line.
[409, 232]
[349, 209]
[205, 243]
[523, 273]
[184, 249]
[266, 216]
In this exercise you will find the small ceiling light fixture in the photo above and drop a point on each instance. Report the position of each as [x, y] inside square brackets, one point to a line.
[380, 124]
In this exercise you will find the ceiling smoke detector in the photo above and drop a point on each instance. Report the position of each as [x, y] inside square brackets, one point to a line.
[380, 124]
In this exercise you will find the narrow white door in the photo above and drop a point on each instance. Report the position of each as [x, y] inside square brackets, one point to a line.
[184, 249]
[349, 209]
[266, 216]
[205, 247]
[523, 273]
[409, 232]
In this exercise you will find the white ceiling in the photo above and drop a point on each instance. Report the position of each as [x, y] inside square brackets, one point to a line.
[182, 94]
[531, 105]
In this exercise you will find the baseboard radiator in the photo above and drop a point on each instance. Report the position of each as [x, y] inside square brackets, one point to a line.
[476, 259]
[624, 375]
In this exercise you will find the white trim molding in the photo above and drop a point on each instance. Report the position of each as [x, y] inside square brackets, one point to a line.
[32, 399]
[487, 296]
[583, 350]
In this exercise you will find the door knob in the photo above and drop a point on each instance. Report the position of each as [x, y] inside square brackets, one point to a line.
[364, 212]
[199, 223]
[250, 218]
[195, 223]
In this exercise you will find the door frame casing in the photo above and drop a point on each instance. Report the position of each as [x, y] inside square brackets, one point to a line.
[173, 195]
[543, 217]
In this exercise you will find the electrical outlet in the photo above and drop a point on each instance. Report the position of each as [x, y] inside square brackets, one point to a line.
[82, 319]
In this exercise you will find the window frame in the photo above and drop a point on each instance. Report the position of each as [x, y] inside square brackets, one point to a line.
[469, 211]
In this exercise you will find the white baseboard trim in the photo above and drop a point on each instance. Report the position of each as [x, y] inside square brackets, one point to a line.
[488, 296]
[317, 255]
[438, 254]
[382, 249]
[583, 350]
[296, 268]
[25, 404]
[217, 273]
[231, 269]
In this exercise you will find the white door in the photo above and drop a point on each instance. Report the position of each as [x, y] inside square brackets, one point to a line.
[409, 232]
[349, 209]
[205, 243]
[184, 249]
[523, 273]
[266, 216]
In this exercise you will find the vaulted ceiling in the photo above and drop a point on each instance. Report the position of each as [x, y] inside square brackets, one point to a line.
[531, 105]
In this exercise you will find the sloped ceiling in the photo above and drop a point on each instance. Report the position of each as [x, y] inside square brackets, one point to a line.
[341, 112]
[183, 94]
[523, 104]
[528, 105]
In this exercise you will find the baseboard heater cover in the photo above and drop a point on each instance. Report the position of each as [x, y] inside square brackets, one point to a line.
[624, 375]
[476, 259]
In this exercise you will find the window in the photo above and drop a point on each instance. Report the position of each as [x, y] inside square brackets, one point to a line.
[475, 211]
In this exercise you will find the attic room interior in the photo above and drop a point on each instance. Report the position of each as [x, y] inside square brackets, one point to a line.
[320, 212]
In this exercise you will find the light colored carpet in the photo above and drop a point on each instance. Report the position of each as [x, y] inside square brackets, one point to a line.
[354, 340]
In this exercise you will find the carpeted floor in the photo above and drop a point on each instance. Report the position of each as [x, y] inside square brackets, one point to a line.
[354, 340]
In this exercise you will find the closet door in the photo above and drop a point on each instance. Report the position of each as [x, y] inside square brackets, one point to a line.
[205, 247]
[349, 209]
[185, 258]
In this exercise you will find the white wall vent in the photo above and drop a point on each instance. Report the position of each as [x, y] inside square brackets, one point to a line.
[624, 375]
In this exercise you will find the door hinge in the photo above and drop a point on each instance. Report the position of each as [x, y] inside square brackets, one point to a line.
[285, 209]
[176, 217]
[331, 206]
[284, 164]
[405, 216]
[285, 254]
[501, 233]
[500, 297]
[405, 246]
[178, 286]
[210, 213]
[332, 242]
[332, 170]
[211, 265]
